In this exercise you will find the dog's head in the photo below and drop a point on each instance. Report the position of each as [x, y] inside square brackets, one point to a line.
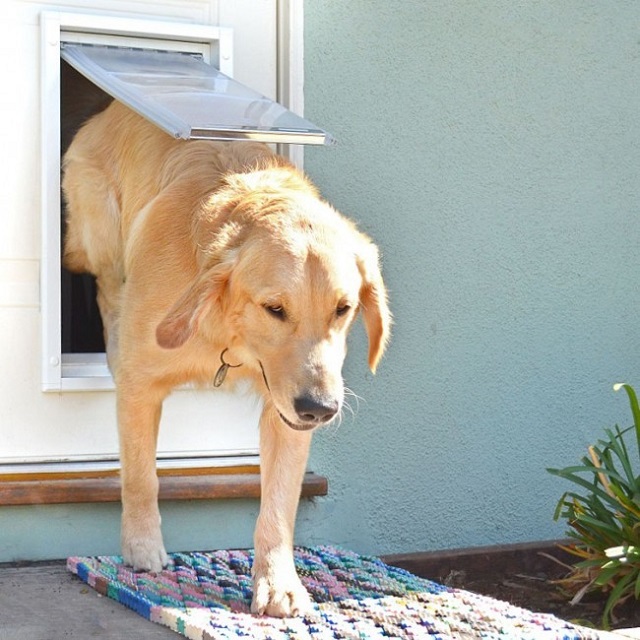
[286, 275]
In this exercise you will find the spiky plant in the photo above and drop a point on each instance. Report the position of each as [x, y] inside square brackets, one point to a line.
[603, 515]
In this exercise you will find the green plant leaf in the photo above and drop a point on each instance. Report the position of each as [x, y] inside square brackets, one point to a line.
[618, 446]
[606, 574]
[583, 483]
[617, 593]
[635, 409]
[623, 455]
[588, 564]
[601, 526]
[558, 511]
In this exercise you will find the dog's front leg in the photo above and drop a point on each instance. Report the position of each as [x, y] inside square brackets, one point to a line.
[277, 590]
[141, 538]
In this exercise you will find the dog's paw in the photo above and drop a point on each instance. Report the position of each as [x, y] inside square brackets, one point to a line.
[280, 596]
[145, 554]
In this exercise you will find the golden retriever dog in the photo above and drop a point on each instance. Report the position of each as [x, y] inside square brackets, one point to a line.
[214, 260]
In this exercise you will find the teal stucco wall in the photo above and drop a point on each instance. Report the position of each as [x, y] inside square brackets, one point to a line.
[492, 149]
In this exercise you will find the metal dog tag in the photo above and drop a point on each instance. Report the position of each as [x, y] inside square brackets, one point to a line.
[221, 374]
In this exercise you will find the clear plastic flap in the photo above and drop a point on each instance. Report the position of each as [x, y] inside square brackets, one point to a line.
[188, 98]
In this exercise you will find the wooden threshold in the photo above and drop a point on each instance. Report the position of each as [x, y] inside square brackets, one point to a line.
[183, 484]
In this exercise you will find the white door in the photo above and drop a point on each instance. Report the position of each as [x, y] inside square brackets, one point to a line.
[57, 407]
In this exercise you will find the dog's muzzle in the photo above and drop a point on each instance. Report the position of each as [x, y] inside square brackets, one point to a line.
[310, 418]
[311, 412]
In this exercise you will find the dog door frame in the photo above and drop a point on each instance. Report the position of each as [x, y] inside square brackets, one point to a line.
[89, 371]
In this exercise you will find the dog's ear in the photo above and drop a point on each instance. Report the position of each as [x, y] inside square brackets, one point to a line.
[373, 302]
[183, 319]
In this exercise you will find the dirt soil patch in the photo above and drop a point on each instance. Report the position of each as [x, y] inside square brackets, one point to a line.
[524, 575]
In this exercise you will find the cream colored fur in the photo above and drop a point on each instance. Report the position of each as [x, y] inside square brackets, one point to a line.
[200, 247]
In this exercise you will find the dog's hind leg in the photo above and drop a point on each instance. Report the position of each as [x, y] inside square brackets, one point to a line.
[138, 420]
[277, 590]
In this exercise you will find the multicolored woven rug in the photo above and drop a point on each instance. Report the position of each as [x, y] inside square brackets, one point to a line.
[206, 596]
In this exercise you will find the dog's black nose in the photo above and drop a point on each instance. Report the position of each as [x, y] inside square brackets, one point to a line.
[311, 410]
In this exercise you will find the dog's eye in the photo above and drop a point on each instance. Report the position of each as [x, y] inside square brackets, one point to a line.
[342, 309]
[276, 311]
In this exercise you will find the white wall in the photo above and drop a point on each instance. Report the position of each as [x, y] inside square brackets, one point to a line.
[74, 426]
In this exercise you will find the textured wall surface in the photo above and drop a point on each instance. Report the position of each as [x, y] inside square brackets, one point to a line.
[492, 150]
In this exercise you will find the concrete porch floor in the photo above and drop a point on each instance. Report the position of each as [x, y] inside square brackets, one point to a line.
[45, 602]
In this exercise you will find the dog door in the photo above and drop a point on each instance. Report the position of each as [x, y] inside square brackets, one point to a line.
[178, 76]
